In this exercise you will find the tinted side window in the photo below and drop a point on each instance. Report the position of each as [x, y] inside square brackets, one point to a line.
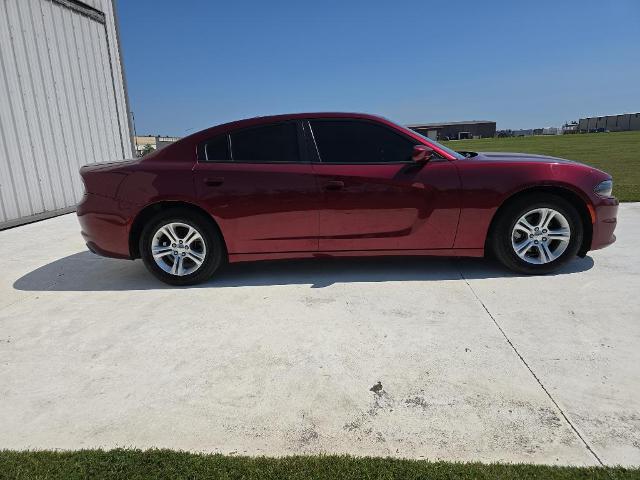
[341, 141]
[216, 149]
[269, 143]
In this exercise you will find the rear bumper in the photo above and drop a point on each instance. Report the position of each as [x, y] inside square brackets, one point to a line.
[605, 222]
[104, 224]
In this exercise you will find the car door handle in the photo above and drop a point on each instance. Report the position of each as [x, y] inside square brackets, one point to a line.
[214, 181]
[334, 185]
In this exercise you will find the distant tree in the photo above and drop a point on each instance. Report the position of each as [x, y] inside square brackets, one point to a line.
[146, 150]
[504, 133]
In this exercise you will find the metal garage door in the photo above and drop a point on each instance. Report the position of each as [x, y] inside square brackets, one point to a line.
[62, 102]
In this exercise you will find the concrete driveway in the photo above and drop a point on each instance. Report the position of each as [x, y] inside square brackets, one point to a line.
[420, 358]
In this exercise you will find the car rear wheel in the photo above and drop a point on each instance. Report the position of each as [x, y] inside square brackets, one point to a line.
[537, 234]
[181, 247]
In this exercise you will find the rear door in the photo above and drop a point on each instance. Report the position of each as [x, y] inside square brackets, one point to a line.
[374, 197]
[259, 185]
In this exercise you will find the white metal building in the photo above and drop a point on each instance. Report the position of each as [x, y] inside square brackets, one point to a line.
[63, 102]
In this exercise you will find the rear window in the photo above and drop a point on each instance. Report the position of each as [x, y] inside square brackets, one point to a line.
[269, 143]
[216, 149]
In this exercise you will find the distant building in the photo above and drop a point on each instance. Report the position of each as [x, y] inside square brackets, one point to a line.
[156, 142]
[567, 128]
[570, 127]
[526, 132]
[613, 123]
[456, 130]
[162, 142]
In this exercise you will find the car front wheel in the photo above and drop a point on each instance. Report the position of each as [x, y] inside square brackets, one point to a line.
[181, 247]
[537, 234]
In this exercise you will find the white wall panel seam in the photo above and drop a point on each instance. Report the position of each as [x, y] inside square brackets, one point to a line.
[84, 88]
[120, 131]
[21, 117]
[79, 30]
[85, 26]
[110, 7]
[7, 191]
[80, 126]
[80, 43]
[112, 71]
[15, 157]
[49, 142]
[23, 110]
[57, 74]
[64, 97]
[7, 180]
[72, 22]
[110, 93]
[94, 34]
[118, 78]
[35, 134]
[54, 89]
[4, 174]
[102, 92]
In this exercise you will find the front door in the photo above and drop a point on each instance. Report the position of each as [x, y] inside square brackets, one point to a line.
[374, 196]
[263, 195]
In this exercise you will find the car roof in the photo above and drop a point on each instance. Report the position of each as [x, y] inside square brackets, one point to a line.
[293, 116]
[247, 122]
[185, 147]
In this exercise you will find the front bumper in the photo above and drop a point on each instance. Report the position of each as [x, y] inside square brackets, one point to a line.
[105, 224]
[605, 222]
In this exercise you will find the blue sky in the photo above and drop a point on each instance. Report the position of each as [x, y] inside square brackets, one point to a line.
[193, 64]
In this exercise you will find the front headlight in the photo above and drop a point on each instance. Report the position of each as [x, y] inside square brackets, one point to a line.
[604, 189]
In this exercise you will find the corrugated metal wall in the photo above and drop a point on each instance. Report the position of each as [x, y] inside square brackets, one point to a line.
[615, 123]
[62, 102]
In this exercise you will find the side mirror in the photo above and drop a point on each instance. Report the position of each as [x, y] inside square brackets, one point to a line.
[422, 154]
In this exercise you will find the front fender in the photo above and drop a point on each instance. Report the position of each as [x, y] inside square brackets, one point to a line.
[486, 186]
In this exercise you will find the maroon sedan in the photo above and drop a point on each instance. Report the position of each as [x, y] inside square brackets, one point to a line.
[339, 184]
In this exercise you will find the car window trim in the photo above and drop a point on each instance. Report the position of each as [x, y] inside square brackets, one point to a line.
[318, 157]
[312, 146]
[201, 150]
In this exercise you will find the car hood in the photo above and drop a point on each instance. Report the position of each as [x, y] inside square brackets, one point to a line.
[519, 157]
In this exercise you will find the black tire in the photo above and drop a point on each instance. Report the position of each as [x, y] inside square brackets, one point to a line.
[215, 251]
[500, 240]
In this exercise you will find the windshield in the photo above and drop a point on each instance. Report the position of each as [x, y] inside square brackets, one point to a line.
[453, 153]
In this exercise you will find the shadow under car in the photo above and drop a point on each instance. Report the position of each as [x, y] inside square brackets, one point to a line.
[85, 271]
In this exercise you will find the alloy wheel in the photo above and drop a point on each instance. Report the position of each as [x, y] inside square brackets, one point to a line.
[541, 236]
[178, 248]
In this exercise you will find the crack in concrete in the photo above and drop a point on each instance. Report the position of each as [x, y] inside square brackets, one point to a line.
[573, 427]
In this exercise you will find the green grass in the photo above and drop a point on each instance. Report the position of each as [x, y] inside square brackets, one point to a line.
[616, 153]
[136, 464]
